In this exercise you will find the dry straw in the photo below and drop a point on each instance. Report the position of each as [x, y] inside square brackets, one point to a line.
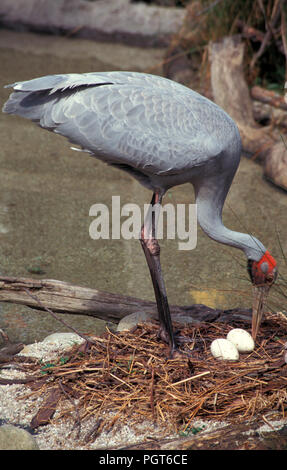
[128, 376]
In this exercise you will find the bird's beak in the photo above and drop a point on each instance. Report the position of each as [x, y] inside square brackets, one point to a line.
[260, 294]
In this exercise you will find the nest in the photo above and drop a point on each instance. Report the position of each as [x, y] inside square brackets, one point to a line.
[129, 376]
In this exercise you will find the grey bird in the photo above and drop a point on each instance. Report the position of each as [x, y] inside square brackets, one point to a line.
[163, 134]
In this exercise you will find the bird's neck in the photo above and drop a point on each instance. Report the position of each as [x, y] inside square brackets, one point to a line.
[210, 198]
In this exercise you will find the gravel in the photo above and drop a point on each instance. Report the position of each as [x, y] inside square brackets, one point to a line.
[18, 405]
[18, 408]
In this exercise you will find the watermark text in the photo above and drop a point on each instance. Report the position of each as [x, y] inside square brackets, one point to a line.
[167, 221]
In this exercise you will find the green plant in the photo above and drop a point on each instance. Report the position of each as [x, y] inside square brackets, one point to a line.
[190, 430]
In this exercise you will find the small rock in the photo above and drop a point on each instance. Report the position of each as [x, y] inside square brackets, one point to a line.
[63, 339]
[52, 346]
[128, 322]
[14, 438]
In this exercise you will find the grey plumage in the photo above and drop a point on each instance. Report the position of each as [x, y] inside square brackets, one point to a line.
[159, 131]
[148, 122]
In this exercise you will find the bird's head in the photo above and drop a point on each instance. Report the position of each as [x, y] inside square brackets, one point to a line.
[263, 274]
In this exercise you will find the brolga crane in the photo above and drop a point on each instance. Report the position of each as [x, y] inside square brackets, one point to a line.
[163, 134]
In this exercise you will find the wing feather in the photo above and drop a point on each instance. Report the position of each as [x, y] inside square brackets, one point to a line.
[147, 122]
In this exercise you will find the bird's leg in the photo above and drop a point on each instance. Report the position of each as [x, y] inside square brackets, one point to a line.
[151, 250]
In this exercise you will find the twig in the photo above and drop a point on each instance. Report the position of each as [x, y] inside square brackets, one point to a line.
[94, 432]
[120, 380]
[152, 393]
[189, 378]
[78, 419]
[34, 297]
[4, 336]
[284, 38]
[269, 26]
[267, 422]
[17, 381]
[209, 7]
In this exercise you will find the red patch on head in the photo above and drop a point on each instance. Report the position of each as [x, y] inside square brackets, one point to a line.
[264, 270]
[267, 258]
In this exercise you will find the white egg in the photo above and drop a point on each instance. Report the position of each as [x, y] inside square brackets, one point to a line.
[223, 349]
[241, 339]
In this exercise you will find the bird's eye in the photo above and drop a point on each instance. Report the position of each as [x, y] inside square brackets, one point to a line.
[264, 267]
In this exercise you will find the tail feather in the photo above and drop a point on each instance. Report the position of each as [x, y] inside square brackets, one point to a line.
[30, 105]
[53, 83]
[33, 99]
[38, 84]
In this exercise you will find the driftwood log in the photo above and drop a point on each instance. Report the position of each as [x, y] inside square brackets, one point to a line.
[61, 297]
[269, 97]
[105, 20]
[230, 91]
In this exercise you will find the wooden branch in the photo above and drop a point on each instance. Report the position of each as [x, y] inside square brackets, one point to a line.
[208, 8]
[268, 96]
[269, 33]
[249, 32]
[62, 297]
[284, 38]
[255, 35]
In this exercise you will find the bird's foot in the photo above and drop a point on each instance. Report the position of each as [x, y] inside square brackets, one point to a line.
[176, 353]
[174, 342]
[164, 335]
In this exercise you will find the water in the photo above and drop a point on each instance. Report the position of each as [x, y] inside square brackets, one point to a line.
[47, 190]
